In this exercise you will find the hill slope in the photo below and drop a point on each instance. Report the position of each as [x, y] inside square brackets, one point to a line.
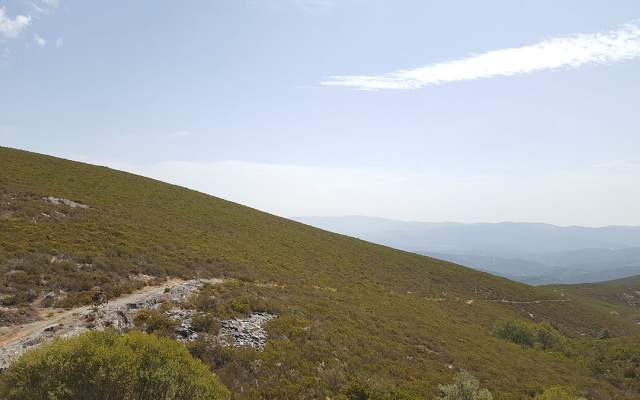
[620, 296]
[348, 310]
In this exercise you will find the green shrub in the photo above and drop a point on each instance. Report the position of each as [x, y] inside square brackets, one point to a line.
[211, 353]
[464, 387]
[152, 321]
[106, 365]
[204, 301]
[8, 300]
[232, 299]
[205, 323]
[290, 328]
[528, 334]
[516, 331]
[548, 338]
[604, 334]
[240, 306]
[357, 391]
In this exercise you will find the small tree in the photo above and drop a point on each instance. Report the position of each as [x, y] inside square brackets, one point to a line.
[106, 365]
[464, 387]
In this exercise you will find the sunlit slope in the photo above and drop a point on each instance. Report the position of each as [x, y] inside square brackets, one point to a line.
[395, 318]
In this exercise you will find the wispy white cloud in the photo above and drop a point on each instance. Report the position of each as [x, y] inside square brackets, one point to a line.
[59, 42]
[44, 6]
[39, 40]
[38, 8]
[11, 28]
[561, 52]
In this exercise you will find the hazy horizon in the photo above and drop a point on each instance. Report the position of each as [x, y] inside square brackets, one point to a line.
[138, 170]
[458, 222]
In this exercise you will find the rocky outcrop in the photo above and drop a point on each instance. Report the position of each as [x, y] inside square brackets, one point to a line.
[631, 299]
[119, 313]
[246, 331]
[184, 331]
[66, 202]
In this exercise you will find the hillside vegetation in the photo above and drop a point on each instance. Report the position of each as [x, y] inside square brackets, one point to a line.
[349, 312]
[618, 297]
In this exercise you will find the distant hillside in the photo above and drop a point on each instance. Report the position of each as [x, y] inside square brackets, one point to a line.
[531, 253]
[351, 314]
[506, 239]
[620, 296]
[577, 266]
[513, 268]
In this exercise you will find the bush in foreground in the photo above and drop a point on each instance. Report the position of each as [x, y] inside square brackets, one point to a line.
[106, 365]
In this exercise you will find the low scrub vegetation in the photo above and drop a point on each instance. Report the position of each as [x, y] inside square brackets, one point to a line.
[618, 363]
[234, 298]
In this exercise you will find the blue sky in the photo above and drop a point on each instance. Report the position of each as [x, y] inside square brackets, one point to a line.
[418, 110]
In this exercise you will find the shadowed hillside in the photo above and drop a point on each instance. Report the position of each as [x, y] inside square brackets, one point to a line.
[349, 311]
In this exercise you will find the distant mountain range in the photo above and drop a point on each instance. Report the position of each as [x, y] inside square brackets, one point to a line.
[528, 252]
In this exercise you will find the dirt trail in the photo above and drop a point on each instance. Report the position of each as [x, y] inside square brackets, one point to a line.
[504, 301]
[118, 313]
[10, 334]
[531, 301]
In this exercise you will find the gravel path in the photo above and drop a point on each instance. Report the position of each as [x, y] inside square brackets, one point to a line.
[14, 340]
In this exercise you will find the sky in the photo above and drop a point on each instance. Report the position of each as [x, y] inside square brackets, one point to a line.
[416, 110]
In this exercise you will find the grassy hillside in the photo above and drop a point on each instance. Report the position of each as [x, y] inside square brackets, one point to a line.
[349, 311]
[618, 297]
